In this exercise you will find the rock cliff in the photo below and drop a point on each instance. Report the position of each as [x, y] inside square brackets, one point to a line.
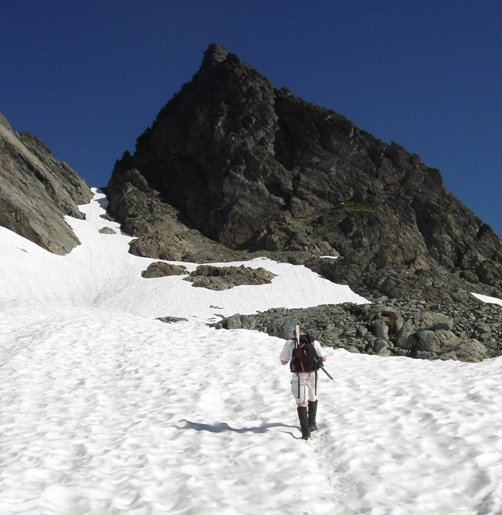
[37, 190]
[232, 159]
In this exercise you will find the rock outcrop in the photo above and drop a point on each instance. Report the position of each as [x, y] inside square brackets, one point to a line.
[390, 327]
[234, 160]
[212, 277]
[37, 190]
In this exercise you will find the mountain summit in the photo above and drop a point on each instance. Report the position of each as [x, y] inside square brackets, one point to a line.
[233, 160]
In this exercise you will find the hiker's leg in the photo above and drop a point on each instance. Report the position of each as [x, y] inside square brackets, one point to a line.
[304, 422]
[312, 415]
[312, 383]
[300, 389]
[312, 400]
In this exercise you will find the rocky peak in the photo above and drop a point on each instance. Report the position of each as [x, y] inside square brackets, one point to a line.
[4, 122]
[256, 168]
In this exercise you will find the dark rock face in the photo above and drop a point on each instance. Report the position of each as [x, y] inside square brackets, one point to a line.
[161, 234]
[255, 168]
[390, 327]
[37, 191]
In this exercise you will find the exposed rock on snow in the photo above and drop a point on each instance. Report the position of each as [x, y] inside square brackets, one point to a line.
[162, 269]
[170, 320]
[107, 230]
[226, 277]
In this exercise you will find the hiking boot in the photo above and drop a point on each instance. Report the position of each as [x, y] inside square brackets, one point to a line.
[312, 415]
[304, 422]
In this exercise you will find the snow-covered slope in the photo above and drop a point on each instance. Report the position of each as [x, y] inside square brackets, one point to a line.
[106, 410]
[101, 273]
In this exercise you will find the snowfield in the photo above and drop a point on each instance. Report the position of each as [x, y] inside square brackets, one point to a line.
[106, 410]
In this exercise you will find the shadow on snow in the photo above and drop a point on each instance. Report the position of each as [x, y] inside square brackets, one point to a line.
[222, 427]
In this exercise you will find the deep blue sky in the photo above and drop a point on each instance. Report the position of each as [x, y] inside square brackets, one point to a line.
[88, 77]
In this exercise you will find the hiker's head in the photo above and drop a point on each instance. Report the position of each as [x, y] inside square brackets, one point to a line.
[302, 332]
[304, 336]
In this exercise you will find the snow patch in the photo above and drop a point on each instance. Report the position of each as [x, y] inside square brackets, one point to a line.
[487, 299]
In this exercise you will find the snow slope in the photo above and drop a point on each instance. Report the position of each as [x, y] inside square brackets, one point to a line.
[106, 410]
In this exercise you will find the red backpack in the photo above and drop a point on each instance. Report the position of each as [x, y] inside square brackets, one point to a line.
[304, 357]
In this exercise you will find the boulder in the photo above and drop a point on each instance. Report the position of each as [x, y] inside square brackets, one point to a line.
[430, 344]
[106, 230]
[160, 269]
[471, 350]
[436, 321]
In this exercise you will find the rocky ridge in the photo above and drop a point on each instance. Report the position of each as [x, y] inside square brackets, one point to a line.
[37, 190]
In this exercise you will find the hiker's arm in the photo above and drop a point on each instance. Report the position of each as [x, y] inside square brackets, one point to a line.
[320, 351]
[285, 355]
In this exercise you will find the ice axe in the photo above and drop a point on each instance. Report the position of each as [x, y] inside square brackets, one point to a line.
[321, 366]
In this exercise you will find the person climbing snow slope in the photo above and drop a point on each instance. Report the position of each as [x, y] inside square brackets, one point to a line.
[305, 356]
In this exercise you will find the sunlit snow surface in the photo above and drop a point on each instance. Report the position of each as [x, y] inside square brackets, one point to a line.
[487, 299]
[105, 410]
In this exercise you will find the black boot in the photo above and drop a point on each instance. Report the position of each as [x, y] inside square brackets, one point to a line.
[304, 422]
[312, 414]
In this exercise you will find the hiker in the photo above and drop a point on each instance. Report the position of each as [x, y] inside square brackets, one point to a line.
[304, 379]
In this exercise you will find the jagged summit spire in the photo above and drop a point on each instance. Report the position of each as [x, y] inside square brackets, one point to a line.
[215, 54]
[225, 72]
